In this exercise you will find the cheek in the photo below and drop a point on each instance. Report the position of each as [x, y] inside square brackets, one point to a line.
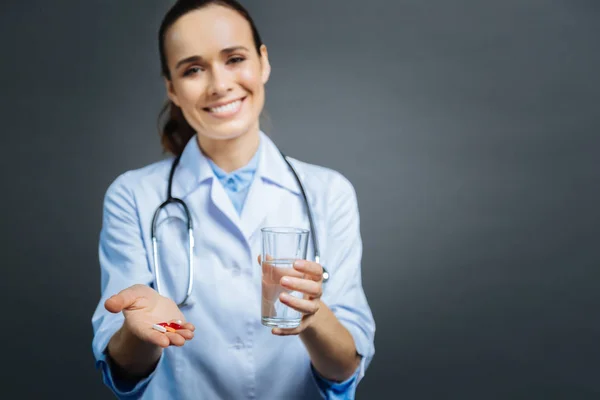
[251, 79]
[190, 93]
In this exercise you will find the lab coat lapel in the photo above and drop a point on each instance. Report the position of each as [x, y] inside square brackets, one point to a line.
[221, 200]
[193, 170]
[273, 178]
[262, 198]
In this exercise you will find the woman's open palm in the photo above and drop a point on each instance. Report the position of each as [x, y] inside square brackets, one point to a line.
[143, 307]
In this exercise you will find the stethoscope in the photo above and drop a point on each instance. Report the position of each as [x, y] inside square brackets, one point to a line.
[171, 199]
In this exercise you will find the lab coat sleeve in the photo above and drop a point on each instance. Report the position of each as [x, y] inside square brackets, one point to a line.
[343, 293]
[123, 263]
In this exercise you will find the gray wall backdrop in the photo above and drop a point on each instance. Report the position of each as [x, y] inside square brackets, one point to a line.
[469, 129]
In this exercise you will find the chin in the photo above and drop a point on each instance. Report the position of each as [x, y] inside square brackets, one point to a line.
[226, 132]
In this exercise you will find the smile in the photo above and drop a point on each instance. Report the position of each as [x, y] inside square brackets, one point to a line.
[226, 110]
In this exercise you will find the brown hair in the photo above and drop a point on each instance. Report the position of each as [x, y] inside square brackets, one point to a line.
[175, 131]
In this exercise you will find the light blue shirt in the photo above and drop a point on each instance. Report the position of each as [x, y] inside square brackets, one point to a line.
[232, 356]
[236, 183]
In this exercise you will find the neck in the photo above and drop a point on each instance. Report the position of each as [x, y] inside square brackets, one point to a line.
[230, 154]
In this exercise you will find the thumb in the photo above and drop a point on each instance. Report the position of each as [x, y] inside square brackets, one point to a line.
[124, 299]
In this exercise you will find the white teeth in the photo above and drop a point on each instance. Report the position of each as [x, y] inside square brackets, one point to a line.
[233, 106]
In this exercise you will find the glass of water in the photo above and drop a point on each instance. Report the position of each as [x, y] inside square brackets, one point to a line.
[281, 247]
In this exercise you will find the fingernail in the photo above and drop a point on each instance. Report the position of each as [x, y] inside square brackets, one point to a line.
[285, 280]
[300, 263]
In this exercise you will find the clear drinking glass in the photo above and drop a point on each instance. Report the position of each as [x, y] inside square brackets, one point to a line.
[281, 247]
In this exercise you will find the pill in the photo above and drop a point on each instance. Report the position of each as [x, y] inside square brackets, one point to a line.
[170, 329]
[162, 324]
[175, 326]
[160, 328]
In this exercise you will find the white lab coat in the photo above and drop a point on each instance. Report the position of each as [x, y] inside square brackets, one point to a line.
[232, 356]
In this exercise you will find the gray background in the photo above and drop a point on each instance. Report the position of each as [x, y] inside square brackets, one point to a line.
[470, 132]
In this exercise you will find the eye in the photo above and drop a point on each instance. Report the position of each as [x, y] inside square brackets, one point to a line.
[235, 60]
[192, 71]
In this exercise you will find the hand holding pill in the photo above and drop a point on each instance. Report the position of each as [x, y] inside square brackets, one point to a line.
[145, 310]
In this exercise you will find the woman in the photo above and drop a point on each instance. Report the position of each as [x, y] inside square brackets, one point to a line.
[234, 181]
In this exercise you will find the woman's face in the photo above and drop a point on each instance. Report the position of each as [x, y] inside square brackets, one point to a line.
[217, 77]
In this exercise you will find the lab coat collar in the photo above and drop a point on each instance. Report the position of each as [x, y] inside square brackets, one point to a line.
[272, 177]
[194, 168]
[273, 168]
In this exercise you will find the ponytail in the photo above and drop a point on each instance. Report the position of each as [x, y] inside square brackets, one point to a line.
[175, 132]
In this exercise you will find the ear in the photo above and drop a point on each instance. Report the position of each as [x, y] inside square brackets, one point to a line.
[265, 65]
[171, 92]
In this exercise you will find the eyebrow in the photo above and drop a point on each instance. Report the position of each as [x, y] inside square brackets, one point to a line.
[227, 50]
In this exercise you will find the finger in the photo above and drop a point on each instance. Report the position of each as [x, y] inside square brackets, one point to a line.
[312, 269]
[158, 339]
[274, 274]
[305, 286]
[301, 305]
[185, 333]
[293, 331]
[122, 300]
[175, 338]
[188, 326]
[286, 331]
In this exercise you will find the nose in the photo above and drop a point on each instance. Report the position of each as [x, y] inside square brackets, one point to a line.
[220, 82]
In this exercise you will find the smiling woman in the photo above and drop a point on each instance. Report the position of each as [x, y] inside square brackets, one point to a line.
[234, 182]
[216, 85]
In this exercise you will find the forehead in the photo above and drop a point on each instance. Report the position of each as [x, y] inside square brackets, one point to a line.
[207, 30]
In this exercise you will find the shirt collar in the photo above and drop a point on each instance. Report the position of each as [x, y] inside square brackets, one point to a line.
[249, 168]
[241, 178]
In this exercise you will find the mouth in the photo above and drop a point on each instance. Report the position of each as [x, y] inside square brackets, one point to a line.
[226, 110]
